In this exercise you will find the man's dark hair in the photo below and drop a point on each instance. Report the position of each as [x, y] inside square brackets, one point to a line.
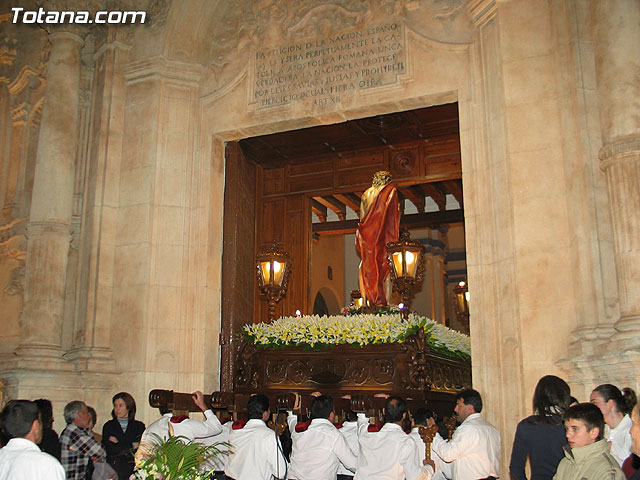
[257, 405]
[321, 407]
[394, 409]
[17, 418]
[46, 412]
[471, 397]
[588, 414]
[351, 416]
[421, 415]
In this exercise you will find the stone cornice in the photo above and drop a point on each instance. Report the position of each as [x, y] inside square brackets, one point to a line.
[613, 151]
[159, 68]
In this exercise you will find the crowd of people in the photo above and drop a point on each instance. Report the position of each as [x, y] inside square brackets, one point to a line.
[562, 440]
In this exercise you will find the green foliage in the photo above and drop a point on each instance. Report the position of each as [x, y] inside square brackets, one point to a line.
[178, 458]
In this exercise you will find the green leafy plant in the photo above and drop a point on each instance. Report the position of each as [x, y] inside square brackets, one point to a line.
[179, 458]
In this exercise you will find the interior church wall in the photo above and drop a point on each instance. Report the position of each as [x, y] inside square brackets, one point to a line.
[327, 253]
[541, 253]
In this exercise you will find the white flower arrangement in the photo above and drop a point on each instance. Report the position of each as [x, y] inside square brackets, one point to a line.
[357, 330]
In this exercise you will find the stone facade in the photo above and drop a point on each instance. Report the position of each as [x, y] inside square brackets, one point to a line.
[112, 179]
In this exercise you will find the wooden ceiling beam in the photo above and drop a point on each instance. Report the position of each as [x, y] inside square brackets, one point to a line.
[319, 209]
[416, 220]
[351, 200]
[415, 196]
[437, 195]
[330, 202]
[455, 188]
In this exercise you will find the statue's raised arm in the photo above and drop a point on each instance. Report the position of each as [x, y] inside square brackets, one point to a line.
[379, 225]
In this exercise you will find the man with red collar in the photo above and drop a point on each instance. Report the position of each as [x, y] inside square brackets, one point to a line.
[319, 450]
[389, 454]
[20, 458]
[180, 425]
[256, 453]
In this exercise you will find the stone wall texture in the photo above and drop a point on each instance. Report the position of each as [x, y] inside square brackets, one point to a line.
[112, 180]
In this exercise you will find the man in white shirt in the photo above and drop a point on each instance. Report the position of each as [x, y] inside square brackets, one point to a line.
[256, 453]
[389, 454]
[420, 418]
[21, 458]
[349, 430]
[319, 450]
[190, 428]
[474, 449]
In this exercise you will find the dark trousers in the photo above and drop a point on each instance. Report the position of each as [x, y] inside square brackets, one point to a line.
[345, 477]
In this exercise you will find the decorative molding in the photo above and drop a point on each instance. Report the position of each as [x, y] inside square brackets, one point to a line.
[614, 151]
[410, 366]
[8, 51]
[482, 11]
[159, 68]
[44, 228]
[13, 244]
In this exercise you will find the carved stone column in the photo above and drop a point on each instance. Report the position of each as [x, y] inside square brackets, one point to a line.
[49, 227]
[616, 40]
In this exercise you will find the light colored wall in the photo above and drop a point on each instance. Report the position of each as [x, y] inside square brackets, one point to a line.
[540, 254]
[327, 252]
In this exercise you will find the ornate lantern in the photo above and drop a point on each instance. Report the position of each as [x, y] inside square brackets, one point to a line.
[273, 270]
[406, 264]
[356, 298]
[461, 303]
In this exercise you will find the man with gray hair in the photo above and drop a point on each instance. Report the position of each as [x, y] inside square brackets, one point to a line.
[20, 458]
[77, 443]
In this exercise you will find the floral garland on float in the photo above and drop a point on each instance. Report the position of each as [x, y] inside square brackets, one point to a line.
[356, 329]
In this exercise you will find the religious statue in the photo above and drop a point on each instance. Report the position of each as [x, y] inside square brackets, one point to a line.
[379, 225]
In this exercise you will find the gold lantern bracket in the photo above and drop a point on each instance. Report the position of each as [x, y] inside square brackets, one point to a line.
[406, 264]
[273, 268]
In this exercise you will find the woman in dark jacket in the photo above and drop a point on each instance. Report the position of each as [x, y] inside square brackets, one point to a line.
[542, 435]
[50, 443]
[121, 435]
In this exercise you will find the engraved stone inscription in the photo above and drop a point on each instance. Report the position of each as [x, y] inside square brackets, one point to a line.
[321, 71]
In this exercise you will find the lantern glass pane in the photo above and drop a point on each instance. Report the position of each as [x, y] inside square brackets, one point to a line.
[397, 263]
[278, 270]
[265, 269]
[412, 263]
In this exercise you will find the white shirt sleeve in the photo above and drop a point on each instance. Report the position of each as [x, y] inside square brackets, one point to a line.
[461, 443]
[410, 461]
[344, 453]
[211, 426]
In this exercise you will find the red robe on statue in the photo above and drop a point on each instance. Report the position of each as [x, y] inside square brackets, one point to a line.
[379, 226]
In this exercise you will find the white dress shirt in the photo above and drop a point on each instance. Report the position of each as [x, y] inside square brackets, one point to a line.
[474, 449]
[350, 432]
[21, 459]
[620, 438]
[318, 451]
[389, 454]
[443, 469]
[218, 463]
[189, 428]
[256, 453]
